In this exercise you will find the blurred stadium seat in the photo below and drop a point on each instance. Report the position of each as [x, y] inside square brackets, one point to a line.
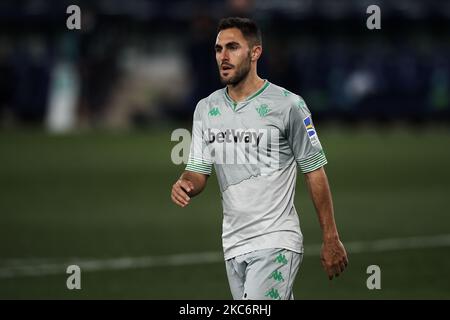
[139, 61]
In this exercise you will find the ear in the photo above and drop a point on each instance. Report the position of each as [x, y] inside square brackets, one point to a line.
[256, 52]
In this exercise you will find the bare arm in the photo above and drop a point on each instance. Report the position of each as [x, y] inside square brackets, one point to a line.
[333, 255]
[189, 185]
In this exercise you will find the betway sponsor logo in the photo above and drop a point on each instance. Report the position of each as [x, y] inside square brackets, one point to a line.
[241, 146]
[258, 147]
[234, 135]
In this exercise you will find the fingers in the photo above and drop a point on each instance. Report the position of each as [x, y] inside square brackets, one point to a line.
[185, 185]
[335, 269]
[334, 258]
[178, 200]
[333, 272]
[330, 275]
[328, 267]
[345, 260]
[179, 195]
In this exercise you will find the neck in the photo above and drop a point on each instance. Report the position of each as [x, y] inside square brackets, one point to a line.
[246, 87]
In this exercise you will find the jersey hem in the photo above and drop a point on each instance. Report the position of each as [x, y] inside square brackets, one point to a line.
[240, 251]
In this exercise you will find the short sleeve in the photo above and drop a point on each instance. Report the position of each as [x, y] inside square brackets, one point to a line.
[303, 138]
[199, 158]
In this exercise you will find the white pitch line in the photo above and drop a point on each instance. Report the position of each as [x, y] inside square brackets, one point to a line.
[19, 268]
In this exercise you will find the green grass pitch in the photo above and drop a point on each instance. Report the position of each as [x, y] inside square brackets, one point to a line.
[105, 196]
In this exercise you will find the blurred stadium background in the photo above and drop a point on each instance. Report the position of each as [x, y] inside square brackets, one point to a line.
[86, 118]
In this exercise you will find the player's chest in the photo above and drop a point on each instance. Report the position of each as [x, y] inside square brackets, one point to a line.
[251, 117]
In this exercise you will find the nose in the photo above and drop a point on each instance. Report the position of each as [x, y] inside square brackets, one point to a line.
[223, 56]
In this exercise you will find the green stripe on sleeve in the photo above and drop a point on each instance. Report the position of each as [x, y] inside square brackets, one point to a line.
[312, 163]
[199, 166]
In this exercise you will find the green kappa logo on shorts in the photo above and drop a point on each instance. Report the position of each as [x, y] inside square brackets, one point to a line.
[273, 293]
[281, 259]
[277, 276]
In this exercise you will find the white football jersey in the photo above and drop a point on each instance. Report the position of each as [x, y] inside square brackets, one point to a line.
[255, 147]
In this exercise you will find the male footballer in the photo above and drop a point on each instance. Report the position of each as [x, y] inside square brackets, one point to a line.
[256, 134]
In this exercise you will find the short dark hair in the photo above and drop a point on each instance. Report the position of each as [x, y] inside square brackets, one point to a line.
[248, 27]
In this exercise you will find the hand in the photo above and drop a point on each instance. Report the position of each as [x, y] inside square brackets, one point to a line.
[333, 257]
[180, 191]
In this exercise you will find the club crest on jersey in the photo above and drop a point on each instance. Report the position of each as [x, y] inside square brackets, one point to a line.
[309, 126]
[263, 110]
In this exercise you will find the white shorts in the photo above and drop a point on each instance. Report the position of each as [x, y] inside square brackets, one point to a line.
[263, 274]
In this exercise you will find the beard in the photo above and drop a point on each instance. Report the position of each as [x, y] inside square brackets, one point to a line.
[241, 73]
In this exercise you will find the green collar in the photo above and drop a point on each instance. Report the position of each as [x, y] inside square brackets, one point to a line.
[257, 93]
